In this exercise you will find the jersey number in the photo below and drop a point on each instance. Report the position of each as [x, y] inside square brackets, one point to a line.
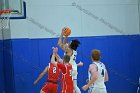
[74, 57]
[102, 73]
[54, 69]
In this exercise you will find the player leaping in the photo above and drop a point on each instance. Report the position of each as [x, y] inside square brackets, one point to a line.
[70, 49]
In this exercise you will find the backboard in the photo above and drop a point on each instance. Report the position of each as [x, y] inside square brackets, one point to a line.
[16, 5]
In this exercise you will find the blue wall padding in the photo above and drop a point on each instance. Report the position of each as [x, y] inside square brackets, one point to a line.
[1, 68]
[8, 67]
[120, 54]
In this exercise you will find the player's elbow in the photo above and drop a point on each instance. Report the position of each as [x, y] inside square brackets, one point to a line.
[59, 44]
[106, 79]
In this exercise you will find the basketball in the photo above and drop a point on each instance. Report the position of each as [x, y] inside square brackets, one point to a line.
[67, 31]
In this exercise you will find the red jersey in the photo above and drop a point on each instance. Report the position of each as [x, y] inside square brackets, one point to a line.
[53, 73]
[53, 76]
[67, 81]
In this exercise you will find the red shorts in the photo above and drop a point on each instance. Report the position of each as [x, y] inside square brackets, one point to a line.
[50, 87]
[67, 89]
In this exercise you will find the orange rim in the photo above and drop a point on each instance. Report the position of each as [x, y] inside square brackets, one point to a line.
[5, 11]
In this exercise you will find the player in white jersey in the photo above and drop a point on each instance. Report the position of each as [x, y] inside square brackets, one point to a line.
[97, 75]
[70, 49]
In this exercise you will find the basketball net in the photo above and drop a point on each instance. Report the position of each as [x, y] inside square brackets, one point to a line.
[5, 19]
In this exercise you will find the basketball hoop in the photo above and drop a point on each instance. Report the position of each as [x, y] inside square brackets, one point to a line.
[5, 18]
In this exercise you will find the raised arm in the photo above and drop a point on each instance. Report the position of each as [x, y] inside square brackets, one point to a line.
[63, 45]
[80, 64]
[53, 60]
[65, 40]
[58, 58]
[60, 44]
[42, 74]
[53, 56]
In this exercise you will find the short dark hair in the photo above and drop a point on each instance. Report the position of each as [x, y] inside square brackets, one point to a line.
[51, 57]
[74, 44]
[66, 58]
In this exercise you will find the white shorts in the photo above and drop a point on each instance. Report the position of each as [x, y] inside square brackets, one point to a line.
[74, 74]
[97, 90]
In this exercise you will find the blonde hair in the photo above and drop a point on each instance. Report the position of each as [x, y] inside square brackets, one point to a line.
[95, 55]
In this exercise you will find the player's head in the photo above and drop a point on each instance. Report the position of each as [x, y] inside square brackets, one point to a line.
[95, 55]
[74, 44]
[66, 59]
[51, 57]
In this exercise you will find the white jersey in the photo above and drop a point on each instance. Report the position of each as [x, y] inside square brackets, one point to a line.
[73, 60]
[99, 83]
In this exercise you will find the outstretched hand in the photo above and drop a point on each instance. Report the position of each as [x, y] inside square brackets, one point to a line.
[80, 63]
[85, 87]
[55, 50]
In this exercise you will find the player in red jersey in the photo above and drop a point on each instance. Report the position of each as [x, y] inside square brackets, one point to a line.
[66, 67]
[51, 85]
